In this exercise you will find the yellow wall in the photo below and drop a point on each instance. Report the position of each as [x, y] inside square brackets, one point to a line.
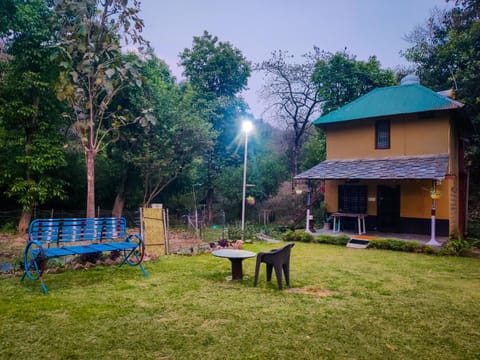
[410, 136]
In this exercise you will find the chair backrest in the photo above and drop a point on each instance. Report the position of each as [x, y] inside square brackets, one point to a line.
[281, 255]
[57, 231]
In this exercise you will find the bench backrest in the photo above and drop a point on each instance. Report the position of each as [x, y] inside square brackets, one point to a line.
[57, 231]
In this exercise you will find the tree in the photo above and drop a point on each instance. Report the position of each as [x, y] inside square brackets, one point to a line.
[424, 53]
[292, 96]
[160, 151]
[95, 71]
[314, 150]
[218, 72]
[215, 68]
[446, 52]
[340, 79]
[31, 145]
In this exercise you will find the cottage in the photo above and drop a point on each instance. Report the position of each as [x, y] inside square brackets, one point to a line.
[396, 155]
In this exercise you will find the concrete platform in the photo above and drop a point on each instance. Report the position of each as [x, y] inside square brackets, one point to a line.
[421, 239]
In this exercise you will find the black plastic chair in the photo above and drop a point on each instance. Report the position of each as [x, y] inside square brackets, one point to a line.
[278, 259]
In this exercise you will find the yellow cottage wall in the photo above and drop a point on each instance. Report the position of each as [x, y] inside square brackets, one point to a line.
[409, 136]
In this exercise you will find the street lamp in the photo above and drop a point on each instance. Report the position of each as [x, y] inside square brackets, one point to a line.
[195, 208]
[247, 126]
[433, 241]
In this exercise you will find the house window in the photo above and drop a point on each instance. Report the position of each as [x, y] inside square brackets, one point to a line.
[352, 199]
[382, 134]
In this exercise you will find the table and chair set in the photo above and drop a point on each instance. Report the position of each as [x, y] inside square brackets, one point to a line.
[63, 237]
[276, 259]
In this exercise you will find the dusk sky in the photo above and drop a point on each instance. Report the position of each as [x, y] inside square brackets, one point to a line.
[258, 27]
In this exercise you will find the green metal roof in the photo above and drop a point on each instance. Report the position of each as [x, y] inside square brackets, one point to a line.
[392, 100]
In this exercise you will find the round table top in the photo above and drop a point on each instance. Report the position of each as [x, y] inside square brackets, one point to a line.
[233, 253]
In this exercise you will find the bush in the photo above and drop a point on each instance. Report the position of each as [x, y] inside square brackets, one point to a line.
[458, 247]
[235, 232]
[332, 239]
[297, 235]
[398, 245]
[9, 228]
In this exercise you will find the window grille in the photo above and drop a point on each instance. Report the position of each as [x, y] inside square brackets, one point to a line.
[382, 134]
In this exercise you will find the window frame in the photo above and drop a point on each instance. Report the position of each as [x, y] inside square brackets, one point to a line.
[352, 198]
[387, 129]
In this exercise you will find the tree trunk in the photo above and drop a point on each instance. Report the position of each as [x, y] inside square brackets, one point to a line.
[119, 201]
[210, 191]
[24, 222]
[90, 160]
[209, 203]
[295, 155]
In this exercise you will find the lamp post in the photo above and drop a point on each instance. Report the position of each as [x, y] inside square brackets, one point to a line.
[247, 126]
[195, 208]
[433, 241]
[309, 203]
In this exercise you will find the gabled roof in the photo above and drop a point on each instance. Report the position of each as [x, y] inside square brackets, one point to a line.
[392, 100]
[400, 167]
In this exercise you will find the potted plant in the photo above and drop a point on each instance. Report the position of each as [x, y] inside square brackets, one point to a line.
[250, 200]
[434, 194]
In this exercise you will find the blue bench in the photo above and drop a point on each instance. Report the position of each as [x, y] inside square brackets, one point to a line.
[51, 238]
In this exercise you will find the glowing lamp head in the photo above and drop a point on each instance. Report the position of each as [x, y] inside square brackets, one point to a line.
[247, 126]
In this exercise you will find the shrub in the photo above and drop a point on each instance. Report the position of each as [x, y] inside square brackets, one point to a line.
[306, 237]
[397, 245]
[9, 228]
[458, 247]
[297, 235]
[235, 232]
[332, 239]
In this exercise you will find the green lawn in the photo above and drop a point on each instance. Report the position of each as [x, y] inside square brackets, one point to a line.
[353, 304]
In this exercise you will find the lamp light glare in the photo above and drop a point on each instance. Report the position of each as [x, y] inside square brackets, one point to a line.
[247, 126]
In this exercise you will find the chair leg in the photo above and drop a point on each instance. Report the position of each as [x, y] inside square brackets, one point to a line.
[257, 272]
[286, 270]
[278, 273]
[269, 272]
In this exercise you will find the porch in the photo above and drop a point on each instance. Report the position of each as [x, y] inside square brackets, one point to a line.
[421, 239]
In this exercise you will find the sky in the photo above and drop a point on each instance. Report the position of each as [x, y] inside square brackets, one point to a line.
[259, 27]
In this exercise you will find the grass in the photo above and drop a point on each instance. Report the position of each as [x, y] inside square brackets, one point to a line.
[349, 304]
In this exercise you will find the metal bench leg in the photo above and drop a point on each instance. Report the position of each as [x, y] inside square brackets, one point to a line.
[143, 270]
[138, 259]
[44, 287]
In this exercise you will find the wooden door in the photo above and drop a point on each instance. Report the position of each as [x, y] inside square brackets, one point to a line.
[388, 208]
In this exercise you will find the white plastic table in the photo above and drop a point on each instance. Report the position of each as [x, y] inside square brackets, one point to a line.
[360, 221]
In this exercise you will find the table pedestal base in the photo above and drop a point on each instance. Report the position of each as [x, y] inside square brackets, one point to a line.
[237, 271]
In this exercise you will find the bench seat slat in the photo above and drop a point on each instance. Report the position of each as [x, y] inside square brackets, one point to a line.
[79, 250]
[123, 245]
[54, 252]
[102, 247]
